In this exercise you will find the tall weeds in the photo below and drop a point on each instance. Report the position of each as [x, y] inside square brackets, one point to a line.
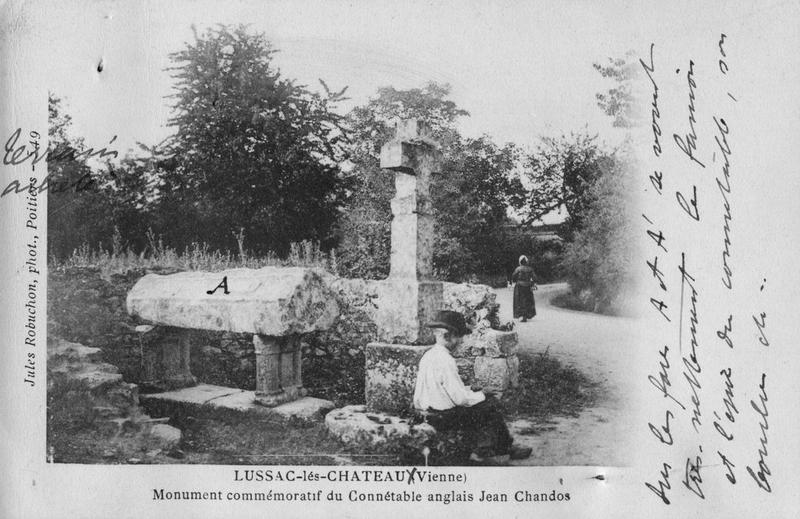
[197, 256]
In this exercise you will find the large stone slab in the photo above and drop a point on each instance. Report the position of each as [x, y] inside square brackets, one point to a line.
[275, 301]
[208, 396]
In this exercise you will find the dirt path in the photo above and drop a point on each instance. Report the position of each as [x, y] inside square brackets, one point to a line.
[595, 345]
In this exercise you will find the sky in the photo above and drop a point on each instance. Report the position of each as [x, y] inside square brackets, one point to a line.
[522, 69]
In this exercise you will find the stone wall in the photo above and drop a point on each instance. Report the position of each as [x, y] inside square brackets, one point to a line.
[364, 305]
[87, 394]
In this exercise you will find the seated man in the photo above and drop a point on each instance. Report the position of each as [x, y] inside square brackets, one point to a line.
[451, 405]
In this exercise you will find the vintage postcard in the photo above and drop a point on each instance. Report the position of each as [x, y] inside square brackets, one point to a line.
[357, 259]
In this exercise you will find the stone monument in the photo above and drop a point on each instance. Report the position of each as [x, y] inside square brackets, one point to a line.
[274, 304]
[414, 158]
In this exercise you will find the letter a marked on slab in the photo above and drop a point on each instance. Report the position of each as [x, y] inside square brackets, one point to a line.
[223, 285]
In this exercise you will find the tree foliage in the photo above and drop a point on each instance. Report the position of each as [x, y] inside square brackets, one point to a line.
[619, 102]
[598, 260]
[77, 210]
[471, 196]
[253, 150]
[562, 169]
[598, 257]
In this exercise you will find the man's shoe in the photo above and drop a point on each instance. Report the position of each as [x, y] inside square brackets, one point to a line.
[519, 453]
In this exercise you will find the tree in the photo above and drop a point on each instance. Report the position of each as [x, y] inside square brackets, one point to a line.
[471, 193]
[562, 170]
[253, 150]
[77, 210]
[619, 101]
[471, 197]
[364, 228]
[599, 258]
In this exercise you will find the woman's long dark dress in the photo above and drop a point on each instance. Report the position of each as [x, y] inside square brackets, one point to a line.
[524, 304]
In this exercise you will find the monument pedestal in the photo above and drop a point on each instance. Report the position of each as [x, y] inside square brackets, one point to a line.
[406, 306]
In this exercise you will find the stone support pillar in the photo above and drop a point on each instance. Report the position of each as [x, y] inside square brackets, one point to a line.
[268, 369]
[278, 361]
[165, 359]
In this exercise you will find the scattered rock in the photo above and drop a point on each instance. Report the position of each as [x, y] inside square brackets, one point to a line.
[306, 408]
[164, 436]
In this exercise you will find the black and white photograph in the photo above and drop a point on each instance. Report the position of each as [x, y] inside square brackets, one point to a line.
[292, 264]
[475, 258]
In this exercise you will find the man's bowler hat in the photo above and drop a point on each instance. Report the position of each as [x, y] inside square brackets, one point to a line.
[450, 320]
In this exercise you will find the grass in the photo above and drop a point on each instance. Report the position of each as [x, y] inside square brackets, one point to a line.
[197, 256]
[548, 388]
[586, 302]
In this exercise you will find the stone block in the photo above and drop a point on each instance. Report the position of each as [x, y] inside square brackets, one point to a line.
[274, 301]
[400, 156]
[391, 373]
[494, 373]
[355, 424]
[412, 246]
[403, 308]
[163, 436]
[492, 343]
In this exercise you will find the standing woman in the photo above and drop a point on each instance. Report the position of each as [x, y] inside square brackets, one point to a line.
[524, 284]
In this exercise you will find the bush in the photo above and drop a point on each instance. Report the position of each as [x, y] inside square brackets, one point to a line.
[598, 260]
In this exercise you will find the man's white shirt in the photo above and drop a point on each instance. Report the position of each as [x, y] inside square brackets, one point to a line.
[439, 385]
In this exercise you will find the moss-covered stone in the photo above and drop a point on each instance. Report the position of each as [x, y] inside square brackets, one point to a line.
[391, 372]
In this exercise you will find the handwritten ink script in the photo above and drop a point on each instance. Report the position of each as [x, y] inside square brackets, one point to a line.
[711, 421]
[16, 153]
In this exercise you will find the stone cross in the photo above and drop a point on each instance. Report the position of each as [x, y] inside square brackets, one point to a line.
[414, 157]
